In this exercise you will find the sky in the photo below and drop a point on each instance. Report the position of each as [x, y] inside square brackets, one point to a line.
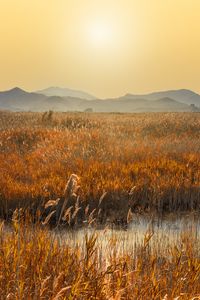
[105, 47]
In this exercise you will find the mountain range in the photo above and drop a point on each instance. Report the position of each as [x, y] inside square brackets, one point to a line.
[63, 99]
[66, 92]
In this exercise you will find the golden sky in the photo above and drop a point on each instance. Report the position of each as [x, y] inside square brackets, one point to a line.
[105, 47]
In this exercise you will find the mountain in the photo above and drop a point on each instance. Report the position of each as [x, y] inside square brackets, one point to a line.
[183, 95]
[65, 92]
[17, 99]
[14, 91]
[136, 105]
[168, 105]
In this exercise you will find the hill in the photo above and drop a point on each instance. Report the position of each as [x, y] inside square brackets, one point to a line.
[183, 95]
[17, 99]
[65, 92]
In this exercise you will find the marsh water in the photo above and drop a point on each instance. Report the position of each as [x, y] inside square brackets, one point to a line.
[171, 230]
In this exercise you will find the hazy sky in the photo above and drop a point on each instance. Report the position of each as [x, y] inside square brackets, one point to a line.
[105, 47]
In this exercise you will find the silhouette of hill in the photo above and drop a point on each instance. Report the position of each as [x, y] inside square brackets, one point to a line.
[137, 105]
[183, 95]
[65, 92]
[17, 99]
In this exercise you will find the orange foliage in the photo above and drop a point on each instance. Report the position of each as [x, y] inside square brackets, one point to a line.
[157, 153]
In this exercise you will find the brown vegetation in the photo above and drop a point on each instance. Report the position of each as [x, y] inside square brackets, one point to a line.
[146, 162]
[38, 264]
[91, 168]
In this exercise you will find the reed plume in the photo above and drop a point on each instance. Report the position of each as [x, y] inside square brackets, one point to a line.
[70, 188]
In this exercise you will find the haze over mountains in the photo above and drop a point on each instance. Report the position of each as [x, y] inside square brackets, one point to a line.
[66, 92]
[62, 99]
[184, 96]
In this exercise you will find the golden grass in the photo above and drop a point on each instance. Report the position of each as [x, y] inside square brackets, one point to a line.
[146, 162]
[38, 264]
[123, 164]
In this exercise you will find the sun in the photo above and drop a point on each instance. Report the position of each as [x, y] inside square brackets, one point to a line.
[100, 34]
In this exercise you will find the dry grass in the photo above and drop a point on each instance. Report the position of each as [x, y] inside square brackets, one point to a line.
[124, 164]
[36, 264]
[146, 162]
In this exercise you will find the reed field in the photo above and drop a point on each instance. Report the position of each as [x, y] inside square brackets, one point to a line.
[36, 263]
[146, 162]
[73, 187]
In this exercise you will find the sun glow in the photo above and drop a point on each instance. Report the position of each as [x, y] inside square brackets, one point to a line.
[105, 47]
[100, 34]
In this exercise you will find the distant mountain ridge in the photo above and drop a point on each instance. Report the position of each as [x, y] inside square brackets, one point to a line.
[183, 95]
[65, 92]
[17, 99]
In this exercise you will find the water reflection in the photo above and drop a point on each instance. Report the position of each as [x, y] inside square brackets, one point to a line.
[167, 231]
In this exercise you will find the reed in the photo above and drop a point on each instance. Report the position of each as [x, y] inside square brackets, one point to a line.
[143, 162]
[39, 264]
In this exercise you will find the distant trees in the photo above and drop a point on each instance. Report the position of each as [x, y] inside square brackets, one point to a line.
[194, 108]
[88, 109]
